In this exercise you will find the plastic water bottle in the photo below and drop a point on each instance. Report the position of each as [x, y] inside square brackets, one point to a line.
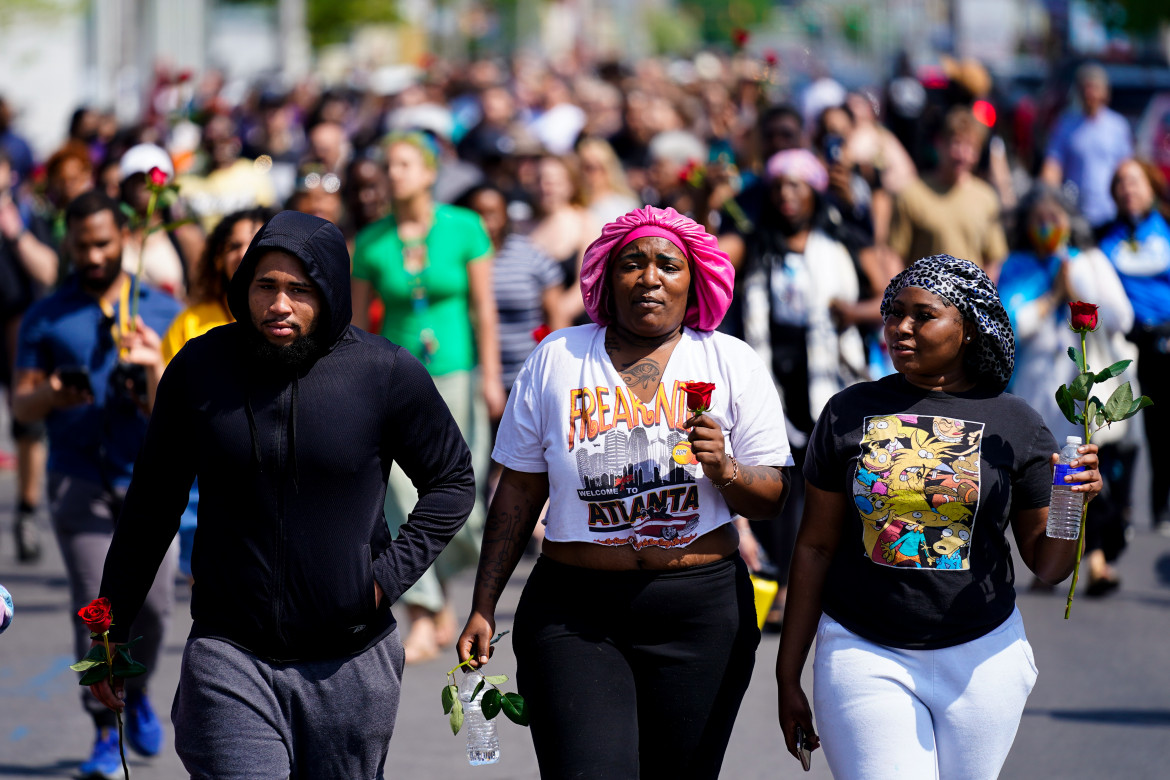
[483, 746]
[1065, 506]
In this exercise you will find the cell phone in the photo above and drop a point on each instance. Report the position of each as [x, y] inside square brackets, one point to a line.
[803, 751]
[76, 377]
[834, 145]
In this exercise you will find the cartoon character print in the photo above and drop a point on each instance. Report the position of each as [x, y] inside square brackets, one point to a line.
[916, 490]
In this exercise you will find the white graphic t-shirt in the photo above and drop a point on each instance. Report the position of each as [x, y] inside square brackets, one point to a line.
[621, 471]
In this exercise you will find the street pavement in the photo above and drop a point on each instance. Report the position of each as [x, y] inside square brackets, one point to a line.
[1101, 707]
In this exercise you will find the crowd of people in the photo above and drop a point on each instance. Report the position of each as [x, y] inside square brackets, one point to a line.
[470, 201]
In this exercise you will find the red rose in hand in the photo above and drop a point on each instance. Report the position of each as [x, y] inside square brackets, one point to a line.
[739, 37]
[539, 333]
[158, 177]
[771, 59]
[96, 615]
[699, 396]
[1083, 316]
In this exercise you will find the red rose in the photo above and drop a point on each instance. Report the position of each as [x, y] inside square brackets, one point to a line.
[1083, 316]
[540, 332]
[96, 615]
[771, 59]
[699, 396]
[739, 37]
[158, 177]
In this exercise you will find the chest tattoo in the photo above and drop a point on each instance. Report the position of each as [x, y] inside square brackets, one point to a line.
[644, 374]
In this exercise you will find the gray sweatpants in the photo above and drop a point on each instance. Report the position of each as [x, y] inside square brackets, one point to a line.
[84, 514]
[239, 716]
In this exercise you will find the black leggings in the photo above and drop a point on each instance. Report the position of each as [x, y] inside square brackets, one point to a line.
[634, 674]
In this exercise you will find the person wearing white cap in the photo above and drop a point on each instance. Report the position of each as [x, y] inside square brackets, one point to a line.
[164, 266]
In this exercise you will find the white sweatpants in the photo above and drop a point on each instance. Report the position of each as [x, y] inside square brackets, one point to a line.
[947, 714]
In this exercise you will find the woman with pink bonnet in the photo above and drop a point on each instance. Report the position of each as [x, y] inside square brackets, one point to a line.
[636, 631]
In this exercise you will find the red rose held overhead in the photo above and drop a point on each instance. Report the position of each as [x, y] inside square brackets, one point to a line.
[699, 396]
[1083, 316]
[96, 615]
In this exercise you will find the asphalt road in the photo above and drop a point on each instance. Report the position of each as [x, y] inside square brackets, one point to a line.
[1101, 707]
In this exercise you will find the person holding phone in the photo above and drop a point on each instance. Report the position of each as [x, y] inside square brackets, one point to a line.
[902, 570]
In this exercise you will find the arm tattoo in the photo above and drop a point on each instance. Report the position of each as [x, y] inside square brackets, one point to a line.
[506, 534]
[749, 474]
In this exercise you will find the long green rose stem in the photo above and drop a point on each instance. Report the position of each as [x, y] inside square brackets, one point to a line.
[117, 714]
[146, 231]
[1072, 588]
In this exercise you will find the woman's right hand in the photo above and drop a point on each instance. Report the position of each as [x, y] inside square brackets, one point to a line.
[476, 640]
[795, 711]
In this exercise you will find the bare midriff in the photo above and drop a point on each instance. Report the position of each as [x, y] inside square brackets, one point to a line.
[715, 545]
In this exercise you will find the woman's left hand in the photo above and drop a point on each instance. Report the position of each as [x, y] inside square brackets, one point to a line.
[1087, 482]
[706, 438]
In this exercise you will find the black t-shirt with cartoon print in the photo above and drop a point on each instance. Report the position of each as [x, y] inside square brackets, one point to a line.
[932, 479]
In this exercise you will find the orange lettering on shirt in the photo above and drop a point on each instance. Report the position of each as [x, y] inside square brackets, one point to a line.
[587, 412]
[602, 408]
[622, 412]
[576, 410]
[662, 406]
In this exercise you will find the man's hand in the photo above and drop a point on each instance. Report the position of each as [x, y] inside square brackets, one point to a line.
[114, 698]
[66, 396]
[142, 345]
[379, 594]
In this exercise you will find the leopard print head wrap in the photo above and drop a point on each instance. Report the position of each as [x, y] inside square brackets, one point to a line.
[991, 357]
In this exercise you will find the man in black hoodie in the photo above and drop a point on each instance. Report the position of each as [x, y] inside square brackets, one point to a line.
[291, 419]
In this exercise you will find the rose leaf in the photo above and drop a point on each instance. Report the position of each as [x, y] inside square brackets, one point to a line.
[456, 716]
[491, 703]
[95, 675]
[1119, 402]
[1065, 401]
[516, 709]
[1081, 386]
[450, 693]
[1114, 370]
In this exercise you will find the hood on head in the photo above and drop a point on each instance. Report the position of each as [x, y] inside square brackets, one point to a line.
[319, 245]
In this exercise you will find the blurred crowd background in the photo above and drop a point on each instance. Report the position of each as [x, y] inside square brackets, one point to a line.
[828, 144]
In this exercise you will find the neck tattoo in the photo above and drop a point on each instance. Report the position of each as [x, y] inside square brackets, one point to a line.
[643, 372]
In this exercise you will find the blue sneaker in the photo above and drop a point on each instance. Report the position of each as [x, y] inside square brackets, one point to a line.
[105, 763]
[143, 731]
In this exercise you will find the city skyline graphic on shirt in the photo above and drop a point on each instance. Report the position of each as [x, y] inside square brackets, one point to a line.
[626, 464]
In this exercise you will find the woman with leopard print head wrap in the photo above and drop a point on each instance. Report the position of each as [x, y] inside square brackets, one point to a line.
[902, 569]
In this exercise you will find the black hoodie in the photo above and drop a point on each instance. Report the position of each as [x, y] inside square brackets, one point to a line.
[292, 466]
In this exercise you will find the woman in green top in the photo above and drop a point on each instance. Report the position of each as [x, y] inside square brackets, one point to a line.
[431, 265]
